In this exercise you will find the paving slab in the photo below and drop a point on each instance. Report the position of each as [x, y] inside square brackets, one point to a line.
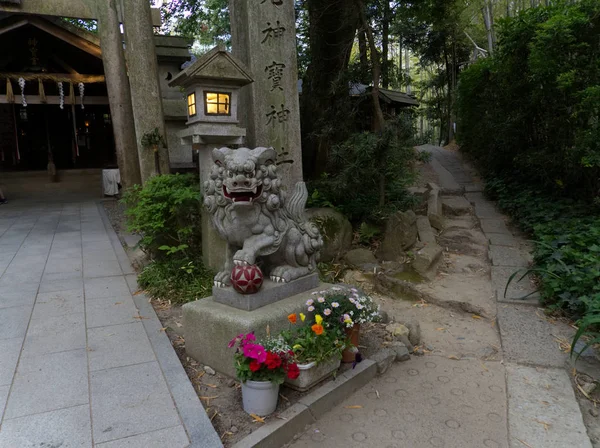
[130, 400]
[3, 397]
[427, 402]
[120, 310]
[55, 334]
[508, 256]
[517, 289]
[543, 410]
[502, 239]
[13, 321]
[174, 437]
[456, 205]
[59, 303]
[529, 338]
[118, 346]
[64, 428]
[49, 382]
[494, 226]
[9, 355]
[105, 288]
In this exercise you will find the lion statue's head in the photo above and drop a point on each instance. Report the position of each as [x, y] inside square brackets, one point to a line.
[243, 177]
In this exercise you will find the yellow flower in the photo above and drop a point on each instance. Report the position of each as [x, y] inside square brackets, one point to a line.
[297, 346]
[302, 317]
[318, 319]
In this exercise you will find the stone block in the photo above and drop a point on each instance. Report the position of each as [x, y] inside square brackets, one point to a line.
[402, 352]
[209, 326]
[456, 205]
[10, 349]
[107, 287]
[270, 293]
[361, 258]
[278, 432]
[101, 313]
[400, 235]
[336, 231]
[426, 260]
[517, 289]
[55, 334]
[434, 210]
[425, 231]
[384, 359]
[13, 321]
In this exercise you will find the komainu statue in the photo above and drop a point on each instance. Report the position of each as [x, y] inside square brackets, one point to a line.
[250, 211]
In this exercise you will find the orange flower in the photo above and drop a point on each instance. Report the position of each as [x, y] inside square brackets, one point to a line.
[292, 318]
[318, 329]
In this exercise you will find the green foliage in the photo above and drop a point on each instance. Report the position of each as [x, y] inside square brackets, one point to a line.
[166, 213]
[368, 173]
[567, 246]
[176, 279]
[367, 233]
[311, 347]
[153, 138]
[532, 110]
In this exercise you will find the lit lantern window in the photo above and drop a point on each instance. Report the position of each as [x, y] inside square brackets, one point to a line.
[217, 103]
[192, 104]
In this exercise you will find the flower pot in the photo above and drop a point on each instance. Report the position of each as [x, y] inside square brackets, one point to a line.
[260, 397]
[349, 354]
[312, 374]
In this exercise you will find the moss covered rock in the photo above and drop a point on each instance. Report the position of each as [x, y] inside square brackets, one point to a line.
[336, 231]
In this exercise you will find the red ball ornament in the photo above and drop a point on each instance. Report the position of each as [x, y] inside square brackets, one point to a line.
[247, 279]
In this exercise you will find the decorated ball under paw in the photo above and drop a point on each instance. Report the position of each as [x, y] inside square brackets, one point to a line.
[247, 279]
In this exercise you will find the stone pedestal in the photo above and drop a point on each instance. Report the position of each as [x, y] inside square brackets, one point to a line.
[209, 326]
[264, 39]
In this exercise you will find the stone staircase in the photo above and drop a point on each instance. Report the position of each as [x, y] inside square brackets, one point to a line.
[72, 184]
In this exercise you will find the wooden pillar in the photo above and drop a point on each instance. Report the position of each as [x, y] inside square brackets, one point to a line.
[119, 93]
[140, 52]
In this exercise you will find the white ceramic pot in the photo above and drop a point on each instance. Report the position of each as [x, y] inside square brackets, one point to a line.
[260, 397]
[312, 374]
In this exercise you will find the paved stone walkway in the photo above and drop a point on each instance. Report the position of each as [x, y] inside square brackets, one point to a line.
[83, 362]
[523, 400]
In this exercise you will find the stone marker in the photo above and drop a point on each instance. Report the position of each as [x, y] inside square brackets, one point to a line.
[264, 38]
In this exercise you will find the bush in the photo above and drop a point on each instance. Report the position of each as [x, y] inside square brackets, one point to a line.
[567, 244]
[368, 174]
[531, 111]
[166, 213]
[178, 280]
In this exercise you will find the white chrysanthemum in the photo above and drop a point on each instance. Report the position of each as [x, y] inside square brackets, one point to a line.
[335, 304]
[311, 308]
[327, 312]
[309, 302]
[320, 299]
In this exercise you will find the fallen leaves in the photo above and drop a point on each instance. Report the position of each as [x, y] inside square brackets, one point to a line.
[257, 419]
[546, 425]
[476, 316]
[354, 407]
[525, 443]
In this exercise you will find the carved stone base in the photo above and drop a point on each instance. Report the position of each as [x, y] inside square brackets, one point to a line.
[209, 326]
[270, 293]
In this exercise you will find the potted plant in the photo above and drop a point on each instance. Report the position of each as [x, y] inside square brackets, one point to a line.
[153, 140]
[318, 351]
[262, 366]
[346, 309]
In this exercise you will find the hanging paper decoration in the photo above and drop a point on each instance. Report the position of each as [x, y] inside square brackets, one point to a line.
[42, 92]
[81, 93]
[10, 96]
[22, 85]
[61, 95]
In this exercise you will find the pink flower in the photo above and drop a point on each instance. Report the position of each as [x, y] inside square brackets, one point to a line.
[255, 351]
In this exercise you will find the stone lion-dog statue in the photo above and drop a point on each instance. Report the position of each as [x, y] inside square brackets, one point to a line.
[251, 212]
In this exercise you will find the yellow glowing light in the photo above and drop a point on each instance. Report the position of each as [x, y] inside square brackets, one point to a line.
[218, 103]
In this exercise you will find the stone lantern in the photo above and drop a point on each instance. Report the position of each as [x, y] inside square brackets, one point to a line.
[212, 89]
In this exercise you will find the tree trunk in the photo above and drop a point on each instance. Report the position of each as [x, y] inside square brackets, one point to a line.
[407, 70]
[385, 45]
[364, 56]
[325, 96]
[379, 122]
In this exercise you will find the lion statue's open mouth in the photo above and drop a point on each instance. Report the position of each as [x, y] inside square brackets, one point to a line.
[252, 213]
[242, 195]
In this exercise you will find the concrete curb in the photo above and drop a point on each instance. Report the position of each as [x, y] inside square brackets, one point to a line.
[310, 408]
[193, 416]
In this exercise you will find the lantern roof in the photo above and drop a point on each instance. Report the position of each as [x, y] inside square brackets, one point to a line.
[217, 66]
